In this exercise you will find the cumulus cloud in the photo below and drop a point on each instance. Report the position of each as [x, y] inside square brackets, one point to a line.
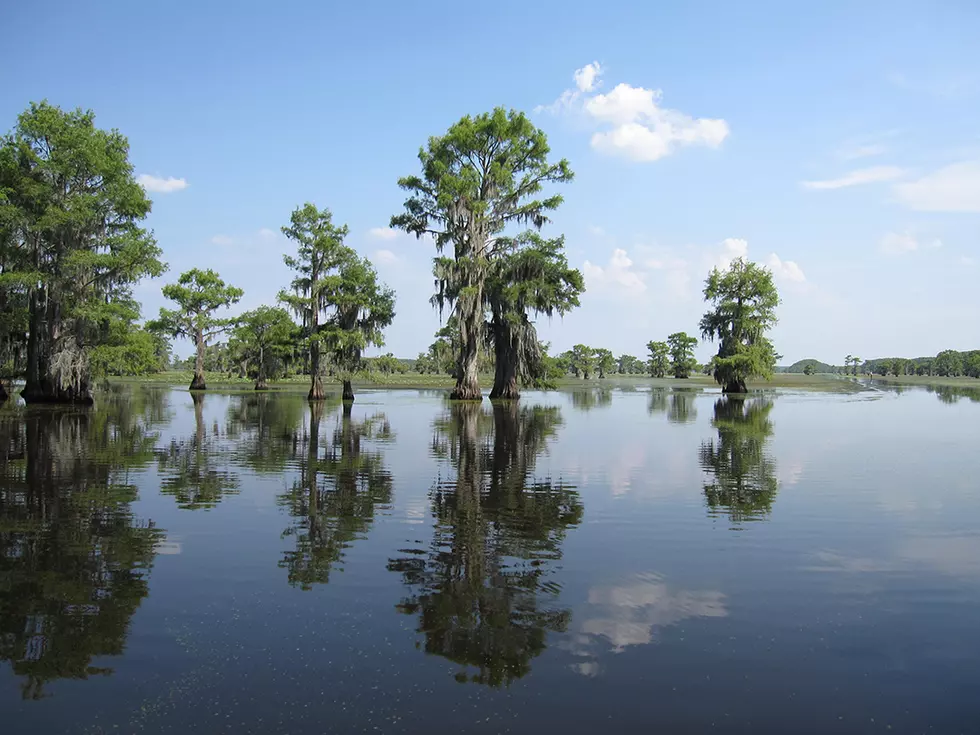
[898, 243]
[161, 185]
[617, 274]
[383, 233]
[732, 248]
[385, 257]
[222, 240]
[266, 234]
[642, 130]
[871, 175]
[953, 188]
[632, 122]
[587, 76]
[785, 270]
[586, 80]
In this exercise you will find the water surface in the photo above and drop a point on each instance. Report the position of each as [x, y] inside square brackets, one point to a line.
[641, 560]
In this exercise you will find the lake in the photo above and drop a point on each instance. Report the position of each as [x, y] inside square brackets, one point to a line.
[633, 560]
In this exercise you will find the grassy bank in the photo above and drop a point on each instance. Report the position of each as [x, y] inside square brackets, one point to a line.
[831, 383]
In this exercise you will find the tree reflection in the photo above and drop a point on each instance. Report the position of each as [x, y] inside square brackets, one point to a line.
[334, 501]
[194, 470]
[588, 398]
[743, 481]
[682, 407]
[483, 591]
[265, 429]
[658, 401]
[74, 560]
[951, 394]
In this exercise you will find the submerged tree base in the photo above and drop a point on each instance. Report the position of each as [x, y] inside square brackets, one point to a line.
[463, 392]
[508, 392]
[735, 386]
[348, 392]
[50, 394]
[198, 383]
[260, 384]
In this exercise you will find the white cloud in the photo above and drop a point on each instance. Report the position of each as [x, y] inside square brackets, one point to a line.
[222, 240]
[385, 257]
[618, 274]
[266, 234]
[586, 80]
[967, 260]
[953, 188]
[632, 122]
[587, 76]
[732, 248]
[383, 233]
[785, 270]
[160, 185]
[629, 614]
[898, 243]
[870, 175]
[644, 131]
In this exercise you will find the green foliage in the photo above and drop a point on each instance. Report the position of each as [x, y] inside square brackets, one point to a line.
[335, 293]
[744, 301]
[70, 248]
[481, 178]
[262, 341]
[198, 295]
[808, 369]
[682, 361]
[630, 365]
[582, 360]
[135, 352]
[532, 277]
[658, 362]
[800, 367]
[948, 363]
[604, 362]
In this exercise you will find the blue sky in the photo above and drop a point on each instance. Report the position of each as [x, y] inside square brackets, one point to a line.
[838, 143]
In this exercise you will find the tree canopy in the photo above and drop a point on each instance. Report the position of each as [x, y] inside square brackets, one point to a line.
[199, 294]
[71, 248]
[336, 294]
[744, 301]
[478, 181]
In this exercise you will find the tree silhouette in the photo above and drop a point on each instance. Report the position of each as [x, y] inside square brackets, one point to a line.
[484, 591]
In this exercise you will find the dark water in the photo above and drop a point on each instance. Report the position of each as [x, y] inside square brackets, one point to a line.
[619, 561]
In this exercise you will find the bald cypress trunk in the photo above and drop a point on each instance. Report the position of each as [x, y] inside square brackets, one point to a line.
[735, 386]
[505, 368]
[348, 391]
[468, 372]
[197, 382]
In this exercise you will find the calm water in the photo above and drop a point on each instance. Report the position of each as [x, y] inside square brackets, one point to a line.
[619, 561]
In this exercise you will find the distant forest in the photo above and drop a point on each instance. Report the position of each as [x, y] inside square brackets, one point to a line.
[948, 363]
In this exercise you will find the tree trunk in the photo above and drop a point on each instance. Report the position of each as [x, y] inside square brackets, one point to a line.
[735, 386]
[467, 366]
[505, 370]
[348, 409]
[198, 382]
[348, 392]
[3, 393]
[41, 386]
[316, 380]
[260, 381]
